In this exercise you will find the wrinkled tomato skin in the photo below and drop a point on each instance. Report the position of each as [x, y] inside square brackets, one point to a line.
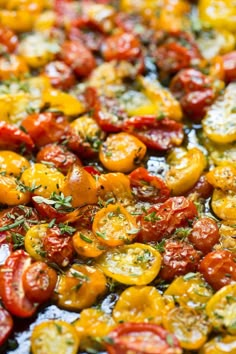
[148, 188]
[85, 216]
[60, 75]
[39, 281]
[195, 104]
[58, 247]
[130, 338]
[6, 325]
[13, 297]
[203, 189]
[12, 138]
[204, 235]
[229, 63]
[155, 134]
[77, 56]
[8, 39]
[218, 268]
[59, 156]
[179, 258]
[175, 212]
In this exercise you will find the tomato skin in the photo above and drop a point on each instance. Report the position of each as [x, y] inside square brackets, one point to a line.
[179, 258]
[86, 215]
[162, 220]
[154, 190]
[155, 134]
[218, 268]
[59, 156]
[39, 281]
[8, 39]
[229, 61]
[202, 189]
[12, 138]
[58, 247]
[130, 338]
[60, 75]
[6, 325]
[204, 235]
[11, 290]
[76, 55]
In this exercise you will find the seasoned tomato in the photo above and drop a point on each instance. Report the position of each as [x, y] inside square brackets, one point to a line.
[229, 61]
[60, 75]
[39, 281]
[6, 325]
[33, 241]
[142, 338]
[11, 288]
[220, 345]
[13, 138]
[87, 244]
[147, 187]
[11, 193]
[219, 268]
[223, 177]
[8, 40]
[12, 65]
[12, 164]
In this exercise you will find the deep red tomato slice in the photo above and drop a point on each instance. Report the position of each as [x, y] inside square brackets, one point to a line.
[229, 61]
[219, 268]
[60, 75]
[148, 188]
[11, 288]
[162, 220]
[157, 134]
[142, 338]
[6, 325]
[12, 138]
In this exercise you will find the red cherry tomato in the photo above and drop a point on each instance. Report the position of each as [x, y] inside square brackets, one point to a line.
[11, 288]
[203, 189]
[8, 40]
[142, 338]
[86, 215]
[229, 62]
[12, 138]
[60, 75]
[6, 325]
[58, 247]
[59, 156]
[78, 57]
[219, 268]
[179, 258]
[204, 235]
[162, 220]
[92, 39]
[39, 281]
[157, 134]
[148, 188]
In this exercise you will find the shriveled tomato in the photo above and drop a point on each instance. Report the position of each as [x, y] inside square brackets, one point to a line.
[204, 235]
[39, 281]
[162, 220]
[13, 138]
[195, 104]
[78, 57]
[229, 62]
[8, 40]
[6, 325]
[60, 75]
[179, 258]
[147, 187]
[58, 246]
[142, 338]
[219, 268]
[58, 156]
[155, 133]
[202, 189]
[11, 288]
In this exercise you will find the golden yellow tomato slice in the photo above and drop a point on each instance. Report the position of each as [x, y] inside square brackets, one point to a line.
[220, 345]
[223, 204]
[34, 241]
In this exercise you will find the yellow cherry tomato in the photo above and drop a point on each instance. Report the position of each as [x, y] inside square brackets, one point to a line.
[137, 103]
[139, 304]
[18, 21]
[221, 309]
[189, 326]
[219, 124]
[11, 192]
[218, 14]
[81, 186]
[12, 164]
[223, 177]
[190, 290]
[54, 337]
[86, 244]
[45, 21]
[220, 345]
[122, 152]
[135, 264]
[114, 225]
[34, 241]
[114, 186]
[47, 180]
[12, 66]
[227, 235]
[79, 287]
[186, 168]
[63, 102]
[223, 204]
[30, 5]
